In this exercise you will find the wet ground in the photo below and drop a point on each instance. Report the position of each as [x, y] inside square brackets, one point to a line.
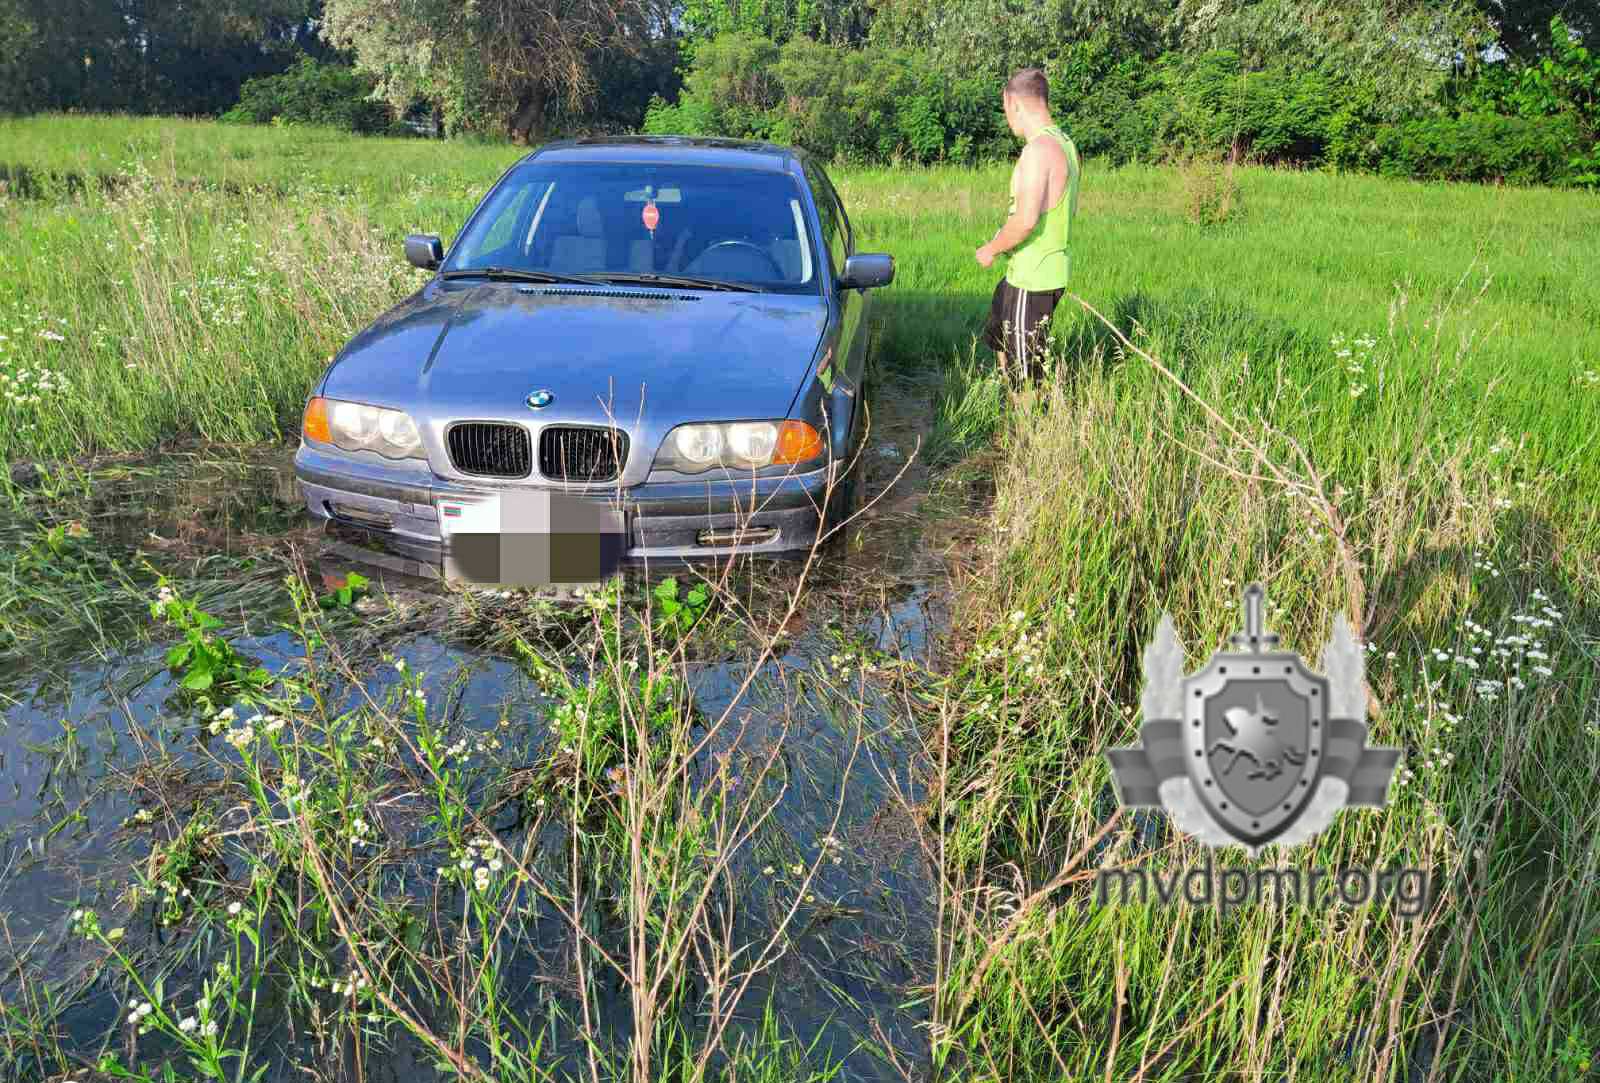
[86, 709]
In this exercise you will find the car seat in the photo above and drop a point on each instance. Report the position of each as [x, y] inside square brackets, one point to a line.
[785, 253]
[585, 248]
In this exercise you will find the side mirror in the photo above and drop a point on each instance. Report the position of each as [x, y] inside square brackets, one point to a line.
[424, 250]
[867, 271]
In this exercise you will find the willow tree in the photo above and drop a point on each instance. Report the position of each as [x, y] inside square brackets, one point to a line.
[1523, 26]
[1394, 54]
[488, 64]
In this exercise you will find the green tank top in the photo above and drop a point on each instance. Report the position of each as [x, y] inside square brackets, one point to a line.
[1041, 261]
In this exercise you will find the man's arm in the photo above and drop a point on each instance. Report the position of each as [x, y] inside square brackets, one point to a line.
[1033, 183]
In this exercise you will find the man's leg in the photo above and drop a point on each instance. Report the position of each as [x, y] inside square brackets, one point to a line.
[997, 330]
[1035, 339]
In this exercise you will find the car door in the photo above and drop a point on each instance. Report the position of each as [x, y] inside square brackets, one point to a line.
[850, 348]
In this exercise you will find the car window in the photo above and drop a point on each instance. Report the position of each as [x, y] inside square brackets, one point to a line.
[844, 219]
[611, 218]
[833, 227]
[500, 222]
[505, 225]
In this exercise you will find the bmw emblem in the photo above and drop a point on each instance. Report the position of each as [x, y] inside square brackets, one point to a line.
[541, 398]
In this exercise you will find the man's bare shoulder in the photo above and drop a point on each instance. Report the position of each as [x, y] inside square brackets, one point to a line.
[1041, 160]
[1044, 152]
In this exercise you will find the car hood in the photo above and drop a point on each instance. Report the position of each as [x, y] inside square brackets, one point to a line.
[477, 350]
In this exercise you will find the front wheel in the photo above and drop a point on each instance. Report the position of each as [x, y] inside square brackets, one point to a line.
[846, 498]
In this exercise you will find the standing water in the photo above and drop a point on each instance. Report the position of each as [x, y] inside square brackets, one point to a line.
[131, 842]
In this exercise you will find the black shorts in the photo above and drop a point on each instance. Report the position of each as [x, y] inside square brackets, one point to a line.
[1019, 320]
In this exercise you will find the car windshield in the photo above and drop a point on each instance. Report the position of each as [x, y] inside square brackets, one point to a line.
[631, 221]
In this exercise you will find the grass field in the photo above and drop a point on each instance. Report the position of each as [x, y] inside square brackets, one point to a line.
[1379, 398]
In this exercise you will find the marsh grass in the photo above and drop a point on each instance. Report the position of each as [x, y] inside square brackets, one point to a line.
[1126, 490]
[83, 548]
[353, 859]
[339, 872]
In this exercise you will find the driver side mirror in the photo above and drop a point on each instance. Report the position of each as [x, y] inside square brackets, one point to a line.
[424, 250]
[867, 271]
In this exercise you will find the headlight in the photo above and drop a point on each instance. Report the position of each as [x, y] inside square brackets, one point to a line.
[354, 426]
[740, 445]
[700, 445]
[753, 441]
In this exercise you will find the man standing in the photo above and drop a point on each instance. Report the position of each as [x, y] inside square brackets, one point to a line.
[1044, 197]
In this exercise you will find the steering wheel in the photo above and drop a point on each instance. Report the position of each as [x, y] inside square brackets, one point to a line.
[777, 271]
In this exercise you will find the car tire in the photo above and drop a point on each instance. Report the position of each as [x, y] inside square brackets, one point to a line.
[847, 493]
[846, 497]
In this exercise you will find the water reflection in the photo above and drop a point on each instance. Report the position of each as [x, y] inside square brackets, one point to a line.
[94, 735]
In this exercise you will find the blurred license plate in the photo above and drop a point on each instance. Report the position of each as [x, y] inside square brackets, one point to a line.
[530, 538]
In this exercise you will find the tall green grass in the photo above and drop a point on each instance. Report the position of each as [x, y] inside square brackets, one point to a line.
[1443, 499]
[55, 156]
[199, 275]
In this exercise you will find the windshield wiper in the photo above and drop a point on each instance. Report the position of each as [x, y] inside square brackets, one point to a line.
[512, 274]
[691, 282]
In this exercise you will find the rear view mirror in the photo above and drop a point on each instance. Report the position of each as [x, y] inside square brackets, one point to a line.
[424, 250]
[658, 195]
[867, 271]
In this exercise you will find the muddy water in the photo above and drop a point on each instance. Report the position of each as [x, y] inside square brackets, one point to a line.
[88, 707]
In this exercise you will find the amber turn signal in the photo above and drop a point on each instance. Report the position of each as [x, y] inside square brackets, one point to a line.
[315, 427]
[797, 443]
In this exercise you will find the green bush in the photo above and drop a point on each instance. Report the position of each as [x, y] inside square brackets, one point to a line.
[1211, 103]
[687, 116]
[1108, 101]
[875, 103]
[1564, 83]
[839, 102]
[312, 92]
[921, 128]
[1480, 147]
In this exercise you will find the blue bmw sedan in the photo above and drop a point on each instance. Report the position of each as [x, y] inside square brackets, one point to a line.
[660, 338]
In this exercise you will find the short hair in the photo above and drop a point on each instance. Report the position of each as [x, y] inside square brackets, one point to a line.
[1029, 83]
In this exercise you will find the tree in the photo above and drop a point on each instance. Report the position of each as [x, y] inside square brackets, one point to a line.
[175, 56]
[834, 22]
[1395, 53]
[1523, 26]
[1392, 55]
[18, 43]
[192, 56]
[488, 64]
[993, 38]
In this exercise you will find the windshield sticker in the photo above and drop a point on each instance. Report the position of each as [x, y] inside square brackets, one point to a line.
[651, 216]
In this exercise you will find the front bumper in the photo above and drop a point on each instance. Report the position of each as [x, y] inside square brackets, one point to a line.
[398, 504]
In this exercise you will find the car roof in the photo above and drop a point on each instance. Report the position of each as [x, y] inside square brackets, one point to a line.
[680, 149]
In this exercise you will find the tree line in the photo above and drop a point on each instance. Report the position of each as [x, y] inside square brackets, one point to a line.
[1475, 89]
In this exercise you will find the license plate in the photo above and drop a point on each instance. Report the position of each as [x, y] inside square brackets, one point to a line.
[533, 538]
[480, 516]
